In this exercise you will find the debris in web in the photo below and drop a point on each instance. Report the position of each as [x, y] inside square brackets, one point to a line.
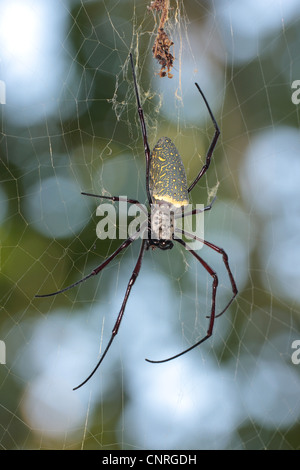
[162, 44]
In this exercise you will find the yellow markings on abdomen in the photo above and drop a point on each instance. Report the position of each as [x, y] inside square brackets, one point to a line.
[168, 180]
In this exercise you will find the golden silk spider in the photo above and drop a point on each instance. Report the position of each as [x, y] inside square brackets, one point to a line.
[167, 190]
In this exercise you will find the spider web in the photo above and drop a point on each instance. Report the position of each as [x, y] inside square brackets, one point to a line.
[69, 123]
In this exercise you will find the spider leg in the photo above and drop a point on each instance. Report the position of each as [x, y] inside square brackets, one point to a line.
[119, 198]
[182, 213]
[144, 130]
[132, 280]
[212, 145]
[213, 305]
[95, 271]
[225, 261]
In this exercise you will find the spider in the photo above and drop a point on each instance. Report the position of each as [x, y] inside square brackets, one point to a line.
[167, 190]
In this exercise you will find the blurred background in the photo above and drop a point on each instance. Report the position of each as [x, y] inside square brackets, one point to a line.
[69, 123]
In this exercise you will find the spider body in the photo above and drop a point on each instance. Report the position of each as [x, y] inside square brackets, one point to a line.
[167, 193]
[161, 226]
[168, 181]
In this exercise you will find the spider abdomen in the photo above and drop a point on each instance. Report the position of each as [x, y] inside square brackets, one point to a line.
[168, 182]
